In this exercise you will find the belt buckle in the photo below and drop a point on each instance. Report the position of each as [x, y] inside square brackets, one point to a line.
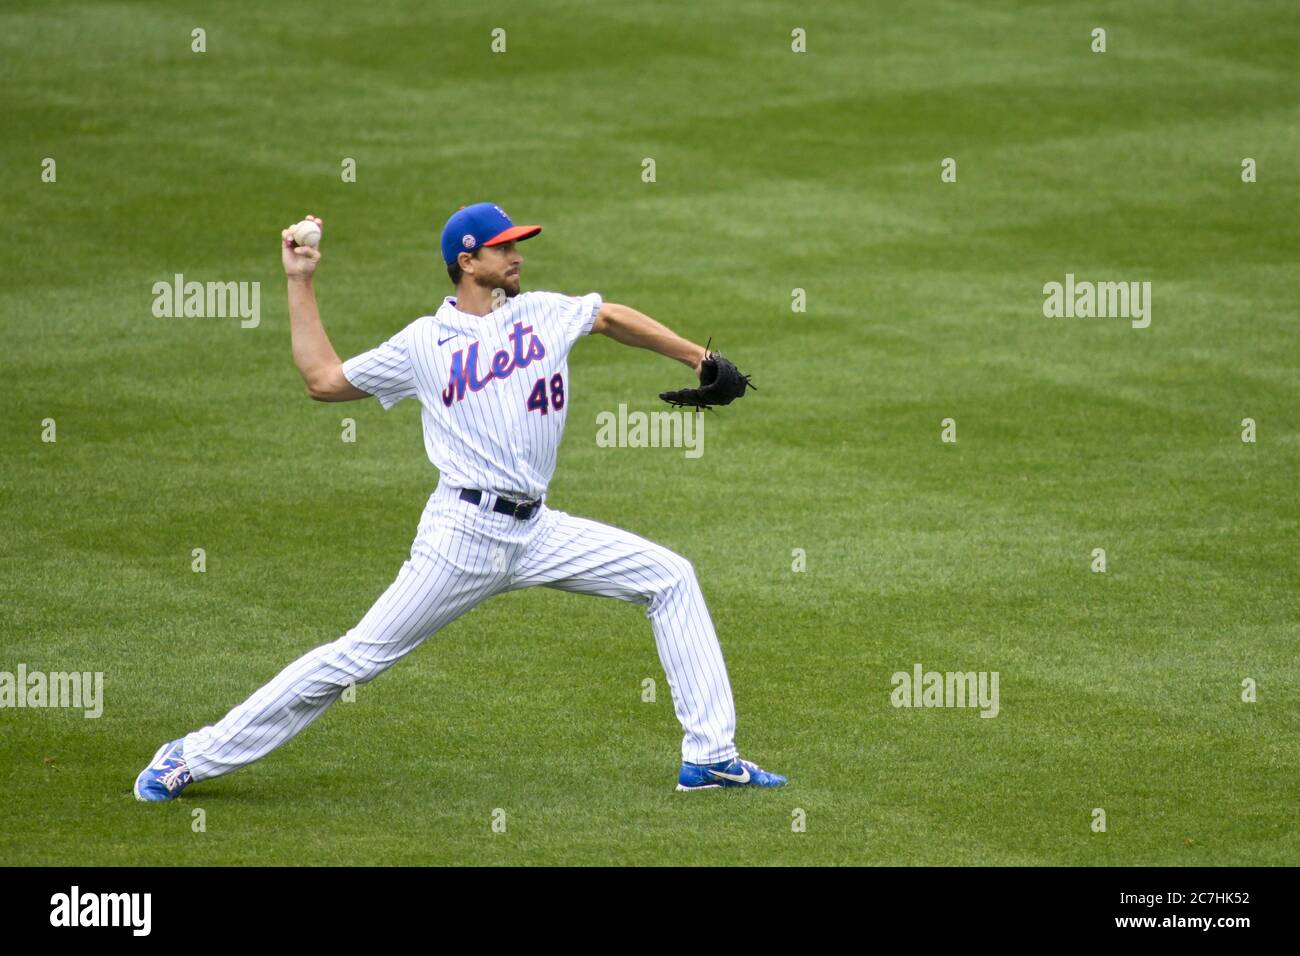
[519, 510]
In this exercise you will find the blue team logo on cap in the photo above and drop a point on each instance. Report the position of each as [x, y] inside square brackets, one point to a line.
[468, 241]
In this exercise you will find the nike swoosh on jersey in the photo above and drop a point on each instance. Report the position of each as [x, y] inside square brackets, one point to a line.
[738, 778]
[446, 340]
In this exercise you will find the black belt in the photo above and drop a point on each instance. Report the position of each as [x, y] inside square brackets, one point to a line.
[523, 510]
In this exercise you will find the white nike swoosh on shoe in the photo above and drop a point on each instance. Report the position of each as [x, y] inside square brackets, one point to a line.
[158, 762]
[741, 778]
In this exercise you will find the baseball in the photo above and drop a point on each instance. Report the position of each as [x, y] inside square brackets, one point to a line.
[307, 233]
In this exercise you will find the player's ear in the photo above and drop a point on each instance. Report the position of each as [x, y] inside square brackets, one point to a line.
[464, 259]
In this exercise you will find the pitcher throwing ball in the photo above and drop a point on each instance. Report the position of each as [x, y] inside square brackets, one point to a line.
[490, 370]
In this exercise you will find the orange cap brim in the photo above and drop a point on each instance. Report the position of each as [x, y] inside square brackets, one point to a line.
[513, 234]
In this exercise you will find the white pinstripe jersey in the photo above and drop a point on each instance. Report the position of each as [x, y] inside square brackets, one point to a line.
[494, 388]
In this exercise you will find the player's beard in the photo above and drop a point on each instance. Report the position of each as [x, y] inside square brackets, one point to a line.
[507, 284]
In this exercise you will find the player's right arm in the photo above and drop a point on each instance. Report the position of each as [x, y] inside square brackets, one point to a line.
[317, 362]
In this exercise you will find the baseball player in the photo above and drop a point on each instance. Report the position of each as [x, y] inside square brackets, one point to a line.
[490, 370]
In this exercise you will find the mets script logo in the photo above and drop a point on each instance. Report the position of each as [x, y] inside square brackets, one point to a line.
[464, 364]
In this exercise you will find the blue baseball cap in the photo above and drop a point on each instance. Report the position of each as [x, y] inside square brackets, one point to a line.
[482, 224]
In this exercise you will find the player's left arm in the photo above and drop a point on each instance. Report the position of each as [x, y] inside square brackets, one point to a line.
[622, 323]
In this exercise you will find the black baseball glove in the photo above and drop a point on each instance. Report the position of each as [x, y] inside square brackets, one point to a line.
[721, 383]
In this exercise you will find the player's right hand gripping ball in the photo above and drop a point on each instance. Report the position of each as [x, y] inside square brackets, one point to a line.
[307, 233]
[721, 383]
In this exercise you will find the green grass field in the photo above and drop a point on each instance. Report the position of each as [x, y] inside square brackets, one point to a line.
[775, 170]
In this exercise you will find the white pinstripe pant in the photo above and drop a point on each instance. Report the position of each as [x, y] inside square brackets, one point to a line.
[463, 555]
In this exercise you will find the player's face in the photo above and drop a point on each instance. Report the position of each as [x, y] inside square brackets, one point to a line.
[498, 267]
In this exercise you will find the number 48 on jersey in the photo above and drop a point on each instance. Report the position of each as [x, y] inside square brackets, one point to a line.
[537, 399]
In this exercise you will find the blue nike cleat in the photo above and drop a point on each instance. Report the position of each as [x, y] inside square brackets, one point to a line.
[166, 776]
[730, 773]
